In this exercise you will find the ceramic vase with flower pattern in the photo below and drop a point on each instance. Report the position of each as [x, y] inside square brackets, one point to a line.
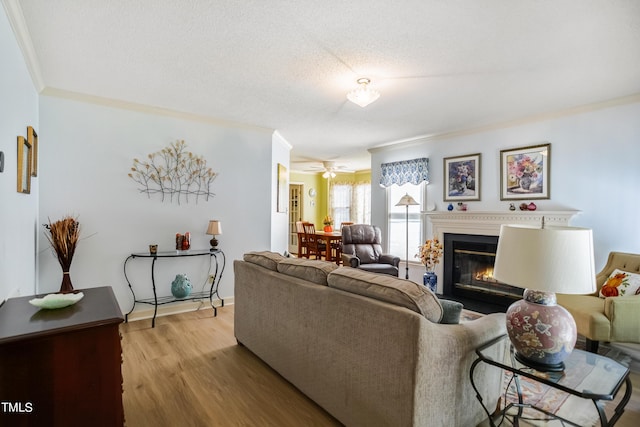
[430, 280]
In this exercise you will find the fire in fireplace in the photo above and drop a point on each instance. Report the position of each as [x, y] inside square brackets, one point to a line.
[468, 270]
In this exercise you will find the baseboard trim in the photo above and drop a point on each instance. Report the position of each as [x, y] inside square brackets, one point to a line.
[175, 308]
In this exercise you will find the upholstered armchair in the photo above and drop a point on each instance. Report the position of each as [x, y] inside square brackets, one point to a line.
[362, 248]
[611, 319]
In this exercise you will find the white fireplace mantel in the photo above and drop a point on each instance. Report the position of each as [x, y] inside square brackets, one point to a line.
[488, 223]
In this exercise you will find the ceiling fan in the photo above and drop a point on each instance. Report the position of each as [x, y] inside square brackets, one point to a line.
[329, 168]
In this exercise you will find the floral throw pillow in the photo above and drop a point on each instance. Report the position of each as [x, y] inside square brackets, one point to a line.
[621, 284]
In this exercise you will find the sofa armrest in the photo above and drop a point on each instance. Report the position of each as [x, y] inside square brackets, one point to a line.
[389, 259]
[350, 260]
[624, 315]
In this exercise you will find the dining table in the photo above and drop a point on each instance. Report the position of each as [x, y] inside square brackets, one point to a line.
[333, 240]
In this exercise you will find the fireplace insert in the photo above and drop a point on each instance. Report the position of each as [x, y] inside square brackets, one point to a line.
[468, 271]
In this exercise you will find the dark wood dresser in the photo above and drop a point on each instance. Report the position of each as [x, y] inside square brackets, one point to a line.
[61, 367]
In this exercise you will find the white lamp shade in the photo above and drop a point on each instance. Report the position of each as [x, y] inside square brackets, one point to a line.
[550, 259]
[215, 228]
[407, 200]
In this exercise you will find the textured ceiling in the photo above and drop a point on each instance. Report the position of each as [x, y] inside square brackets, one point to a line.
[440, 65]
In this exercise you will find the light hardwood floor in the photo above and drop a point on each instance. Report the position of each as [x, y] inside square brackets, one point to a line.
[189, 371]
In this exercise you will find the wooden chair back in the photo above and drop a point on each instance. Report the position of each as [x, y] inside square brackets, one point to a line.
[315, 246]
[303, 247]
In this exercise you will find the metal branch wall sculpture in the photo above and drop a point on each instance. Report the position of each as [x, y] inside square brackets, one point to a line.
[174, 172]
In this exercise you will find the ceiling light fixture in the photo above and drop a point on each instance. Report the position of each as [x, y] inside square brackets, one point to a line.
[328, 174]
[364, 95]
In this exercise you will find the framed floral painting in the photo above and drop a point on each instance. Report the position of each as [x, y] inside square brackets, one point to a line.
[462, 178]
[524, 173]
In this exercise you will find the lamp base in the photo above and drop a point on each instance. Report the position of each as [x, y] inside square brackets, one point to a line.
[214, 244]
[542, 367]
[542, 332]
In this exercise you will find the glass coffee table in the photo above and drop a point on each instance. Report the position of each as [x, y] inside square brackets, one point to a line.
[599, 379]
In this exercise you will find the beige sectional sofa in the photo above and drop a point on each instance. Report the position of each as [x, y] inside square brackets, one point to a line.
[366, 347]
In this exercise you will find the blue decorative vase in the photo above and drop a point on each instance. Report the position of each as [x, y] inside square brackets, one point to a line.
[430, 280]
[181, 286]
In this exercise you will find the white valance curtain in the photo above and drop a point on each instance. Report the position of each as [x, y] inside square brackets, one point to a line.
[413, 171]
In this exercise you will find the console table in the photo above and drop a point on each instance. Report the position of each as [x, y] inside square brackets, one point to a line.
[603, 376]
[159, 300]
[61, 367]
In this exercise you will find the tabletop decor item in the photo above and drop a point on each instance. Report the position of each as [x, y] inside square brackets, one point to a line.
[328, 222]
[181, 286]
[63, 236]
[53, 301]
[430, 254]
[544, 261]
[214, 228]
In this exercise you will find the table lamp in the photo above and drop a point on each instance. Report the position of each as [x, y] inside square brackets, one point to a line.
[214, 229]
[544, 261]
[407, 201]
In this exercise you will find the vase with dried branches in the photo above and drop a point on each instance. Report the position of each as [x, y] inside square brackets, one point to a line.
[63, 236]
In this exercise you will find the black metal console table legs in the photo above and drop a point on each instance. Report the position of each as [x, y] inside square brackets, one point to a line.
[156, 300]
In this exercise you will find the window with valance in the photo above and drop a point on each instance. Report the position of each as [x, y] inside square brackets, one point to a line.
[409, 177]
[415, 171]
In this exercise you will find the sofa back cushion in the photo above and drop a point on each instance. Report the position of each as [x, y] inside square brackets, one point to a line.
[265, 259]
[315, 271]
[384, 287]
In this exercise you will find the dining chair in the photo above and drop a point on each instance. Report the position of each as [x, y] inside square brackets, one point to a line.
[303, 247]
[315, 246]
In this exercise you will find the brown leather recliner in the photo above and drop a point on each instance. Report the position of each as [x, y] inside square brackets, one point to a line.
[362, 248]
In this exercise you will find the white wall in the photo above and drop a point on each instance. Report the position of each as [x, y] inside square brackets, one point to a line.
[594, 169]
[88, 150]
[18, 212]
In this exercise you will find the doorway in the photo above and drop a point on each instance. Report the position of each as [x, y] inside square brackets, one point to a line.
[296, 195]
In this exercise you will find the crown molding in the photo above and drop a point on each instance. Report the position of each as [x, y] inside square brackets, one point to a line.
[142, 108]
[404, 143]
[23, 38]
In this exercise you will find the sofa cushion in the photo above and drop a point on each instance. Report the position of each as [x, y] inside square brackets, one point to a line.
[621, 283]
[315, 271]
[265, 259]
[451, 311]
[390, 289]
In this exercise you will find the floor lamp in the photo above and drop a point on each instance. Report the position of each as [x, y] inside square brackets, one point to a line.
[407, 201]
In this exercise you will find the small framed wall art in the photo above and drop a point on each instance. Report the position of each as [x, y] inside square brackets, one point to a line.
[24, 166]
[462, 178]
[524, 172]
[32, 138]
[283, 188]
